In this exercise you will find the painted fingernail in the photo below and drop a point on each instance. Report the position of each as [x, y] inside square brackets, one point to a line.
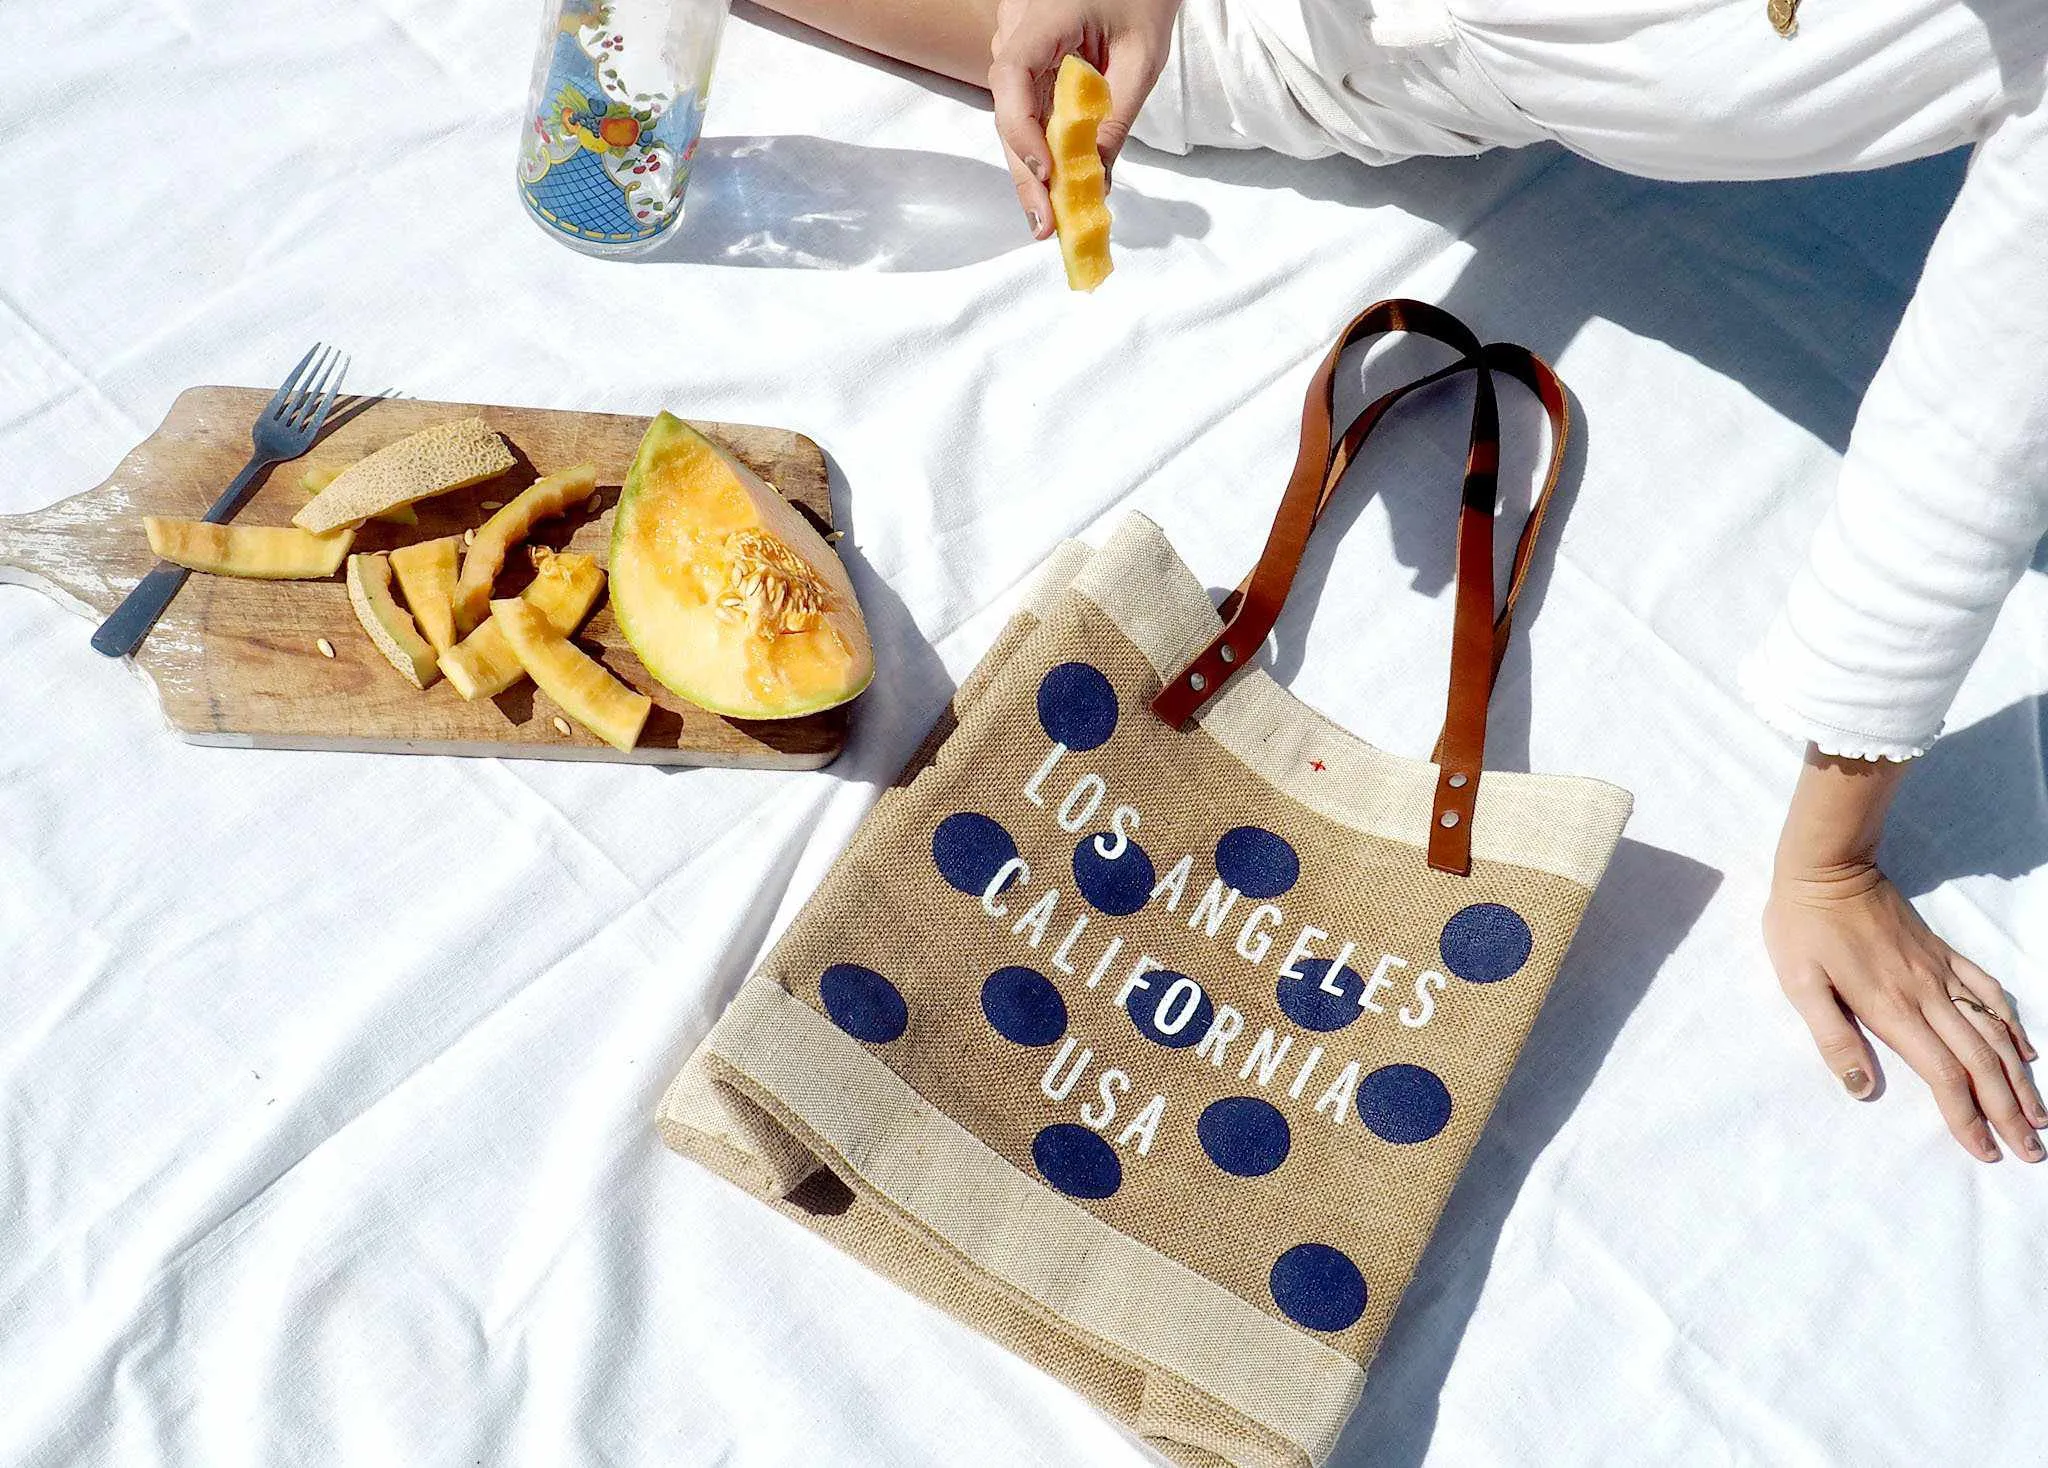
[1857, 1081]
[2031, 1145]
[1986, 1148]
[1031, 218]
[1038, 169]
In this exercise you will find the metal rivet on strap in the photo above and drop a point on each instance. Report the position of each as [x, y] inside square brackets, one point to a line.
[1227, 653]
[1197, 682]
[1448, 819]
[1458, 781]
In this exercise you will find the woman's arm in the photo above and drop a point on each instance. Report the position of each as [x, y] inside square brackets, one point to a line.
[1013, 47]
[1852, 955]
[1943, 494]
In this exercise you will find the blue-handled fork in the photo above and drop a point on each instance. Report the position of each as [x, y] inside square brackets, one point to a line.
[285, 429]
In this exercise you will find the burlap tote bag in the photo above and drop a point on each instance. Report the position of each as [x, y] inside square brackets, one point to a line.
[1147, 1022]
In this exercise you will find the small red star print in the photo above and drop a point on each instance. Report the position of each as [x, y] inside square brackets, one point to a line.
[1317, 765]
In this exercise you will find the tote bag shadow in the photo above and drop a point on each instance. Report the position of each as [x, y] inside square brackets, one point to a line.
[1147, 1021]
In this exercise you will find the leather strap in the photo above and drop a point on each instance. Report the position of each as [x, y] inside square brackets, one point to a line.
[1479, 638]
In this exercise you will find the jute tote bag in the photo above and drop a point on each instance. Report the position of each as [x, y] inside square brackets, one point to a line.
[1148, 1020]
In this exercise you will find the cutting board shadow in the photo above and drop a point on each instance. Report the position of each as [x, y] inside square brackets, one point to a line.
[239, 663]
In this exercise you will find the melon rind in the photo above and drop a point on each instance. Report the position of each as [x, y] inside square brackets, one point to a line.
[584, 689]
[255, 552]
[565, 587]
[541, 500]
[426, 572]
[436, 460]
[390, 627]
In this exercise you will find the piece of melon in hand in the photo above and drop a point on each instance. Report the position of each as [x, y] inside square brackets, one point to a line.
[318, 476]
[565, 587]
[541, 500]
[426, 574]
[1079, 183]
[389, 626]
[725, 591]
[433, 461]
[587, 693]
[264, 552]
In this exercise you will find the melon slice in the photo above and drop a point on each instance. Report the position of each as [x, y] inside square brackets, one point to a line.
[433, 461]
[369, 592]
[725, 591]
[264, 552]
[1079, 184]
[318, 476]
[541, 500]
[565, 587]
[426, 574]
[587, 693]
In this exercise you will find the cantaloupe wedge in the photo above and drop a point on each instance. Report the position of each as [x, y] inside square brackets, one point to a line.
[725, 591]
[264, 552]
[1079, 186]
[390, 628]
[430, 462]
[541, 500]
[565, 587]
[318, 476]
[426, 574]
[587, 693]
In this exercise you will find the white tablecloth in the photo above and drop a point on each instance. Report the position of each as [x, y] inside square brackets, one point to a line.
[326, 1081]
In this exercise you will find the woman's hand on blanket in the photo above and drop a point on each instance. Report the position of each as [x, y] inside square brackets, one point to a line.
[1126, 40]
[1853, 955]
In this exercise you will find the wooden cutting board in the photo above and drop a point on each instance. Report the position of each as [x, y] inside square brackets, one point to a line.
[238, 663]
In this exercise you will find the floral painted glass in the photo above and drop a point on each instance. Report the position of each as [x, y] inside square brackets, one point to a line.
[619, 90]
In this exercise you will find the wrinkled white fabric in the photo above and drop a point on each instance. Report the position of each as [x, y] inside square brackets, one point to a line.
[1943, 495]
[326, 1081]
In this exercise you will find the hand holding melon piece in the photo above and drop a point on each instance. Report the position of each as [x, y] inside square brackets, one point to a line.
[541, 500]
[725, 591]
[586, 692]
[426, 574]
[264, 552]
[433, 461]
[318, 476]
[565, 587]
[1079, 184]
[369, 592]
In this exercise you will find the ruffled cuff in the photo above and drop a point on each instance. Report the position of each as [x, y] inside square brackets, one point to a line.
[1764, 692]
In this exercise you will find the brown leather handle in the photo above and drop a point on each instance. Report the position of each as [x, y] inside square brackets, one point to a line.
[1479, 639]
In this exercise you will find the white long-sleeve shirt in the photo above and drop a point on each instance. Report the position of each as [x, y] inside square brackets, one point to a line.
[1944, 488]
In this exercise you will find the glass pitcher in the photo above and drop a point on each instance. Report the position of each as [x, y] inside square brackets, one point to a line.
[619, 90]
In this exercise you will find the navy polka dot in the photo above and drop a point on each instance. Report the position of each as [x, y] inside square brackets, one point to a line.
[1404, 1103]
[1024, 1006]
[1243, 1135]
[1256, 862]
[1319, 1287]
[1310, 1005]
[1076, 1161]
[863, 1003]
[1118, 887]
[1485, 943]
[970, 849]
[1145, 1006]
[1076, 706]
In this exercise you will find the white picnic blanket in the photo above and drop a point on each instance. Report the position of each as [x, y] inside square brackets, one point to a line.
[326, 1081]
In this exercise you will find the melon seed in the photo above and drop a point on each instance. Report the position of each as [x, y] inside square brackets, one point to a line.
[561, 725]
[494, 504]
[326, 648]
